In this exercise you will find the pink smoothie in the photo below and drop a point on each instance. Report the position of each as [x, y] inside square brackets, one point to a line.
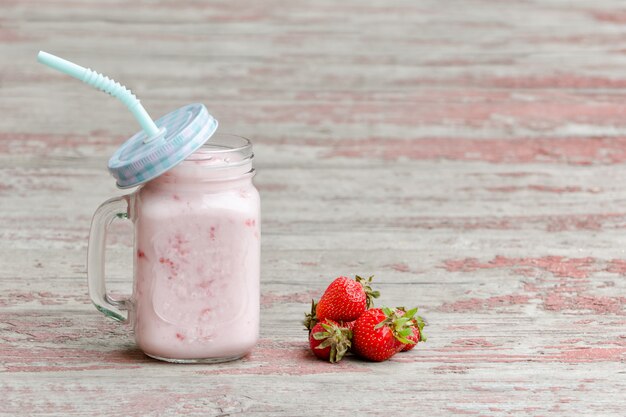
[197, 245]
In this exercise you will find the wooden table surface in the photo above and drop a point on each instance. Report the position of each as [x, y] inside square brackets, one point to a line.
[469, 154]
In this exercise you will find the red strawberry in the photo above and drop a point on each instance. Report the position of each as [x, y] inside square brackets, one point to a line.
[380, 333]
[417, 326]
[346, 299]
[310, 319]
[329, 340]
[347, 324]
[414, 337]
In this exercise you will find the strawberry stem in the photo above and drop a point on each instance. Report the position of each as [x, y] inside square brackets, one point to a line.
[369, 293]
[338, 338]
[400, 325]
[416, 321]
[310, 319]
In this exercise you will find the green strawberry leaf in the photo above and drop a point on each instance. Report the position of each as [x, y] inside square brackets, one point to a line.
[381, 324]
[341, 350]
[310, 319]
[369, 293]
[324, 344]
[409, 314]
[404, 332]
[402, 321]
[328, 327]
[321, 335]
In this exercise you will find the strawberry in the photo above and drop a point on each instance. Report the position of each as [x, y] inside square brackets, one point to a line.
[348, 324]
[413, 337]
[417, 336]
[346, 299]
[417, 326]
[379, 333]
[329, 340]
[310, 319]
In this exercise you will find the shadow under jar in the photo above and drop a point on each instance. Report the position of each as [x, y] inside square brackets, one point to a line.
[197, 257]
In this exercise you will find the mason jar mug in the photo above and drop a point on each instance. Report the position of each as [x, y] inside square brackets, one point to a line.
[196, 257]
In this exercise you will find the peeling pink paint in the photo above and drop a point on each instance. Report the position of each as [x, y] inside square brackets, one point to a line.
[575, 355]
[527, 272]
[574, 150]
[55, 359]
[570, 292]
[11, 36]
[617, 266]
[399, 267]
[17, 298]
[5, 187]
[456, 410]
[483, 304]
[520, 174]
[473, 343]
[42, 143]
[453, 328]
[450, 369]
[64, 368]
[572, 341]
[587, 354]
[599, 305]
[617, 17]
[162, 400]
[530, 287]
[560, 80]
[504, 189]
[544, 189]
[557, 265]
[286, 358]
[463, 345]
[561, 190]
[550, 223]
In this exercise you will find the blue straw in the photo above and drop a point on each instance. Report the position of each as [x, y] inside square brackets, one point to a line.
[105, 84]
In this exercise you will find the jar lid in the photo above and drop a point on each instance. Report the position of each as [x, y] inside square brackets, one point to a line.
[181, 133]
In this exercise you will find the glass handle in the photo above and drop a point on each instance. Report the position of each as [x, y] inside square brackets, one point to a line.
[115, 208]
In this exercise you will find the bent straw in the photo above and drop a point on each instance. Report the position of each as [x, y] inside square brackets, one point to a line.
[106, 84]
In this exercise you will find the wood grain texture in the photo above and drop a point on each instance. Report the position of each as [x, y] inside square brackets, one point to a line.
[470, 154]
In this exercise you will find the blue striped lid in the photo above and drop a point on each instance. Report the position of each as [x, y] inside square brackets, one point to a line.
[181, 133]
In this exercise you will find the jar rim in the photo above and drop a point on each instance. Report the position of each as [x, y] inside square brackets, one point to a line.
[223, 144]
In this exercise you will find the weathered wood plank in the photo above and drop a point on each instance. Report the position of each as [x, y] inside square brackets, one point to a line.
[468, 153]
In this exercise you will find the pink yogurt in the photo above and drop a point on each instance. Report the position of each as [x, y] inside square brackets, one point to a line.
[197, 257]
